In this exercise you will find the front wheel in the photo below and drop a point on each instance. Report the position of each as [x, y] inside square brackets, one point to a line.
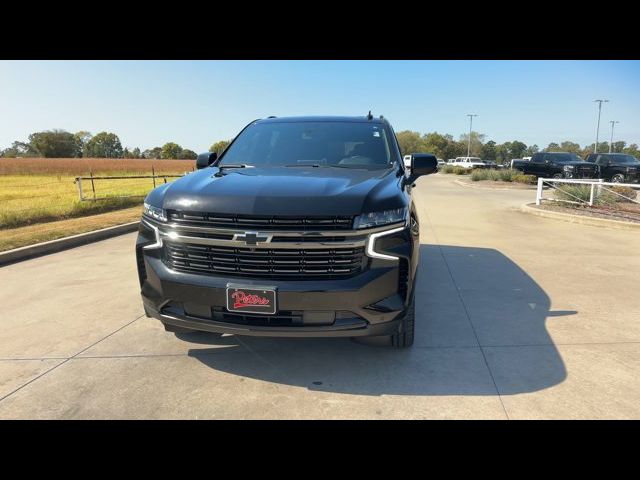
[403, 338]
[558, 175]
[617, 178]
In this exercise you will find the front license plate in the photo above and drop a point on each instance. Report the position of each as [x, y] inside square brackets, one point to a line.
[251, 300]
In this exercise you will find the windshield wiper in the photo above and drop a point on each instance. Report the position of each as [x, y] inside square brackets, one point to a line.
[314, 165]
[234, 165]
[220, 173]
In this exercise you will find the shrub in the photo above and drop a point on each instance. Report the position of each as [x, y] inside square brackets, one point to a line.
[625, 191]
[446, 169]
[573, 193]
[461, 171]
[526, 179]
[478, 175]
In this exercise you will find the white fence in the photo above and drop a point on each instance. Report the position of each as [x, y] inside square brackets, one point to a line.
[597, 186]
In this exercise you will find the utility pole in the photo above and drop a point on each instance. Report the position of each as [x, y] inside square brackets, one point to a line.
[612, 122]
[470, 115]
[595, 150]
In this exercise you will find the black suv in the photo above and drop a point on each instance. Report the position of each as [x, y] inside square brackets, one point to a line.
[303, 226]
[616, 167]
[557, 165]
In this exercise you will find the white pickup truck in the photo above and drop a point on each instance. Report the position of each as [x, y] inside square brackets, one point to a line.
[468, 162]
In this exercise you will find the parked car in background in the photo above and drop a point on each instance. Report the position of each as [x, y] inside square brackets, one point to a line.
[451, 161]
[517, 161]
[441, 162]
[616, 167]
[469, 162]
[526, 159]
[557, 165]
[490, 164]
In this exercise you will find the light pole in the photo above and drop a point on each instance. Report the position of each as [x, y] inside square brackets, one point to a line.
[612, 122]
[470, 115]
[595, 150]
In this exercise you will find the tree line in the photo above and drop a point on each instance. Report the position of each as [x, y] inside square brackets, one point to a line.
[63, 144]
[446, 147]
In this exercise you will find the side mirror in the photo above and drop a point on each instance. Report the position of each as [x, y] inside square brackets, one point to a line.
[422, 164]
[206, 159]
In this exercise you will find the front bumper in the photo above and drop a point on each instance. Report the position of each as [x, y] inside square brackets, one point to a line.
[370, 303]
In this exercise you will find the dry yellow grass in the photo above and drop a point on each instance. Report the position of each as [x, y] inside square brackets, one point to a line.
[35, 191]
[23, 236]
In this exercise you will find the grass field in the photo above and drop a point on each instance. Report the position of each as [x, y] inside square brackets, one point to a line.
[38, 190]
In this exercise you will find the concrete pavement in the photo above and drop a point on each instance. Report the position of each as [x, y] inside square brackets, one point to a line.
[518, 317]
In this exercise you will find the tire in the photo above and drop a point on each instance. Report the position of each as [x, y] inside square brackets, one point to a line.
[406, 332]
[558, 175]
[618, 178]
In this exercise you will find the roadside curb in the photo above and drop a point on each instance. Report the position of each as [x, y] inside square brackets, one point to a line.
[580, 219]
[480, 187]
[53, 246]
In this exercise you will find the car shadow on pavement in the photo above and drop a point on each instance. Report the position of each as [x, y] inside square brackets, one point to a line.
[465, 297]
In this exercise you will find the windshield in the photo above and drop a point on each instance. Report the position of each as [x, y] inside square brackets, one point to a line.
[322, 144]
[624, 159]
[566, 157]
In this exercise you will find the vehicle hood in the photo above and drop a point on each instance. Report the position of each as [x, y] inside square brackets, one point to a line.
[282, 191]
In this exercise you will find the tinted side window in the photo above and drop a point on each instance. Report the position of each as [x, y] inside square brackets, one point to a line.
[537, 158]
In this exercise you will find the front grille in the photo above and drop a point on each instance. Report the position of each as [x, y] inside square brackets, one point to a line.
[261, 222]
[286, 263]
[586, 171]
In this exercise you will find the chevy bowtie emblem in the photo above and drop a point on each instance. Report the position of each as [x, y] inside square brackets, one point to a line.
[252, 238]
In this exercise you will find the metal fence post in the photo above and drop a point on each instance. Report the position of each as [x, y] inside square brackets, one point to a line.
[153, 174]
[539, 191]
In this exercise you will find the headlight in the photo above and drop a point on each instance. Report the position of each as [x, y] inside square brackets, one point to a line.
[375, 219]
[568, 167]
[155, 212]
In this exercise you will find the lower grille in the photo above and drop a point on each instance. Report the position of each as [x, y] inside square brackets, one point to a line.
[265, 263]
[284, 318]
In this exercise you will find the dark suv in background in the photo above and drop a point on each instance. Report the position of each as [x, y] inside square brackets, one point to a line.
[557, 165]
[303, 226]
[616, 167]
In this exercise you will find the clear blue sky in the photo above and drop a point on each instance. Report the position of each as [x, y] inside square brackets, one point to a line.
[194, 103]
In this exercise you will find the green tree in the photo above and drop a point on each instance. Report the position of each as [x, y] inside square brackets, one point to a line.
[220, 146]
[170, 151]
[553, 147]
[104, 145]
[136, 152]
[82, 137]
[517, 149]
[19, 149]
[187, 154]
[152, 153]
[488, 151]
[572, 147]
[532, 150]
[54, 144]
[477, 140]
[618, 147]
[632, 150]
